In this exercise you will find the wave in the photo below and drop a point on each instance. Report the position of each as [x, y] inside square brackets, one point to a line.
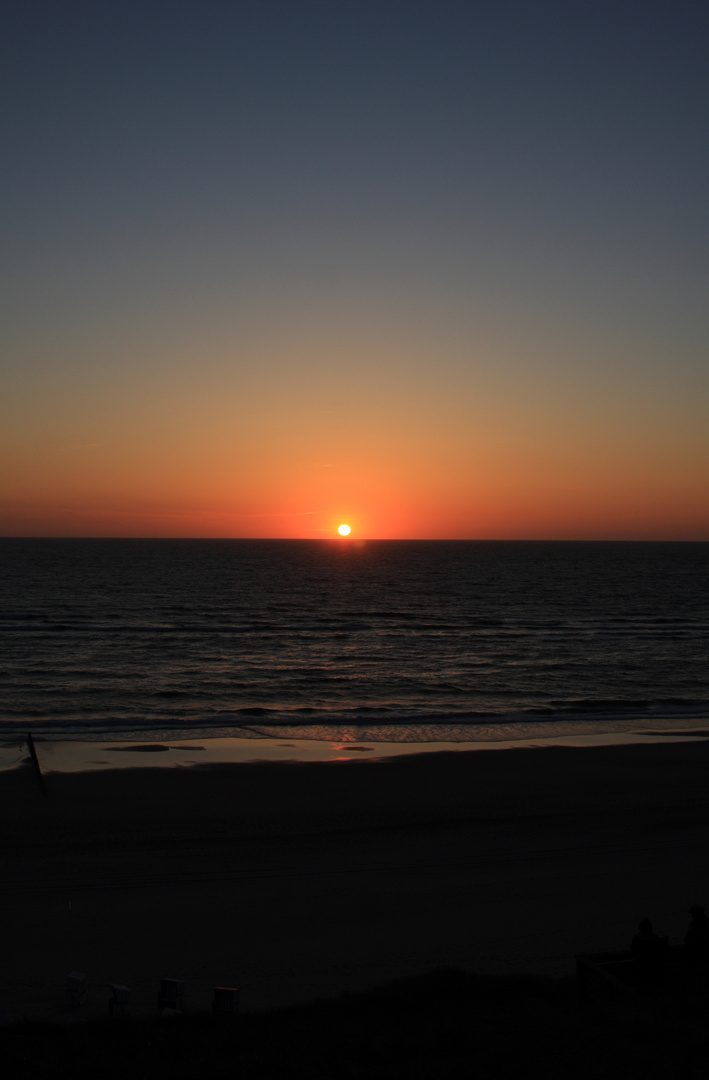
[382, 723]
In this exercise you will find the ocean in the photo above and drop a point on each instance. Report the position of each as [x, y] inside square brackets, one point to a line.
[379, 640]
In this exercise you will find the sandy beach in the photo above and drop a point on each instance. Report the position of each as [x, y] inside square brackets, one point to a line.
[298, 880]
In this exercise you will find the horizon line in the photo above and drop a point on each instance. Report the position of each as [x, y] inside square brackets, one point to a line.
[349, 540]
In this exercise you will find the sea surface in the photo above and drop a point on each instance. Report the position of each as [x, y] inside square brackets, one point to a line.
[381, 640]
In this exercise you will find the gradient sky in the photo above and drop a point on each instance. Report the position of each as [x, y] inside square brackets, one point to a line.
[436, 269]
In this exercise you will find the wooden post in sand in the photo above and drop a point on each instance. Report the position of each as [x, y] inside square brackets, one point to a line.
[35, 762]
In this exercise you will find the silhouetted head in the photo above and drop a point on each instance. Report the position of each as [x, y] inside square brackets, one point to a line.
[645, 926]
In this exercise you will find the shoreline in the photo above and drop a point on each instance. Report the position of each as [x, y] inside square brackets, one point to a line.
[301, 880]
[78, 755]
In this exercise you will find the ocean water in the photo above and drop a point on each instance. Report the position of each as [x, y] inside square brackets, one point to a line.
[383, 640]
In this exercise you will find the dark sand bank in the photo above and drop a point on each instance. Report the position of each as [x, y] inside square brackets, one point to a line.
[446, 1023]
[294, 881]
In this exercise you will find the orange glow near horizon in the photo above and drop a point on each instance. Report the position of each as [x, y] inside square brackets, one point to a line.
[555, 513]
[479, 496]
[430, 461]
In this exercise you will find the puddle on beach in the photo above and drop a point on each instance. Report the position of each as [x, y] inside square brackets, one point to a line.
[149, 748]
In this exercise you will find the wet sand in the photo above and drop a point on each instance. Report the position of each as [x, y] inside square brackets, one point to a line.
[298, 880]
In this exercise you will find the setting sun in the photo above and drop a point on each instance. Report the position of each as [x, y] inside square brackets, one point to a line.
[344, 530]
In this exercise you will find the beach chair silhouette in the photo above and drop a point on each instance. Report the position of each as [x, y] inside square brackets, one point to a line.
[118, 1002]
[226, 1000]
[75, 987]
[171, 994]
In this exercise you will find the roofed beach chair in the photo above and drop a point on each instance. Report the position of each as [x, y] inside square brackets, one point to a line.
[171, 995]
[118, 1001]
[226, 1001]
[75, 987]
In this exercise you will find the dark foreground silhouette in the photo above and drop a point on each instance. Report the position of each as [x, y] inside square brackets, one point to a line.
[444, 1024]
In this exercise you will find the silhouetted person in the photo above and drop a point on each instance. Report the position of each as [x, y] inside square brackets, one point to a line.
[650, 954]
[696, 940]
